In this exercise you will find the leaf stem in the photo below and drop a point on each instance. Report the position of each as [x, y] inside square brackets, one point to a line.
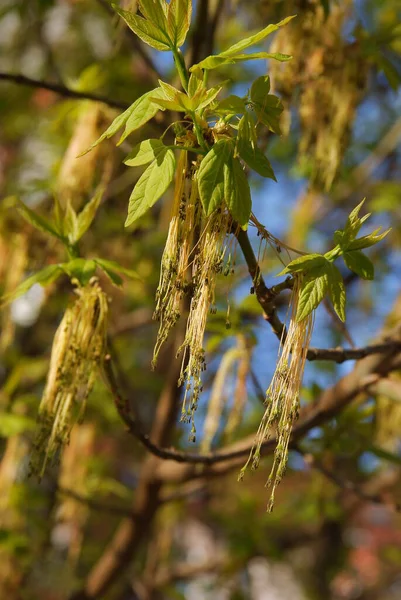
[181, 67]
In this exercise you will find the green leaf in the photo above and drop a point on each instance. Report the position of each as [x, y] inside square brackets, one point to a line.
[113, 276]
[236, 192]
[144, 152]
[142, 111]
[70, 223]
[36, 220]
[149, 33]
[304, 264]
[87, 214]
[80, 268]
[337, 291]
[255, 159]
[195, 82]
[353, 225]
[260, 89]
[205, 97]
[231, 105]
[314, 288]
[219, 60]
[211, 176]
[256, 38]
[151, 186]
[179, 19]
[115, 126]
[155, 11]
[269, 111]
[44, 277]
[169, 104]
[115, 266]
[170, 92]
[247, 129]
[368, 240]
[360, 264]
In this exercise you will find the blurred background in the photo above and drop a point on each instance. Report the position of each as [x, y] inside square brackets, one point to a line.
[110, 520]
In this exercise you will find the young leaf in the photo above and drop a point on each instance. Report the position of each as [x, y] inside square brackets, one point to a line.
[155, 11]
[368, 240]
[337, 291]
[360, 264]
[118, 122]
[36, 220]
[142, 111]
[70, 223]
[353, 225]
[151, 186]
[211, 176]
[44, 277]
[233, 105]
[219, 60]
[149, 33]
[179, 19]
[268, 112]
[80, 268]
[247, 129]
[195, 82]
[144, 152]
[255, 159]
[314, 288]
[236, 192]
[304, 264]
[111, 265]
[87, 214]
[205, 97]
[260, 89]
[256, 38]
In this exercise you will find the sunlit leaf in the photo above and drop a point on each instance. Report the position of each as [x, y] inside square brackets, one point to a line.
[151, 186]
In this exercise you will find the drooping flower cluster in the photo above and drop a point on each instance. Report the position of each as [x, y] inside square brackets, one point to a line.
[193, 256]
[282, 396]
[78, 348]
[334, 76]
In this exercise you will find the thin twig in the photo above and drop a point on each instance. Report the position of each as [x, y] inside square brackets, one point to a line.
[62, 90]
[308, 420]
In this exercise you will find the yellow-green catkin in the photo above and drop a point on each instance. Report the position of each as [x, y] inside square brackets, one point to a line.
[78, 349]
[174, 277]
[282, 396]
[207, 263]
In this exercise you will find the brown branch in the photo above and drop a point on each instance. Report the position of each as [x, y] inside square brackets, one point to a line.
[62, 90]
[305, 423]
[200, 32]
[331, 402]
[265, 297]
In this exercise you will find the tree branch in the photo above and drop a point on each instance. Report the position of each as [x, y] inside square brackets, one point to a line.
[306, 422]
[265, 297]
[331, 402]
[62, 90]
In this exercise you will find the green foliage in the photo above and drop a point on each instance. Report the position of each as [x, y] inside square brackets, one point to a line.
[211, 176]
[320, 276]
[151, 185]
[233, 54]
